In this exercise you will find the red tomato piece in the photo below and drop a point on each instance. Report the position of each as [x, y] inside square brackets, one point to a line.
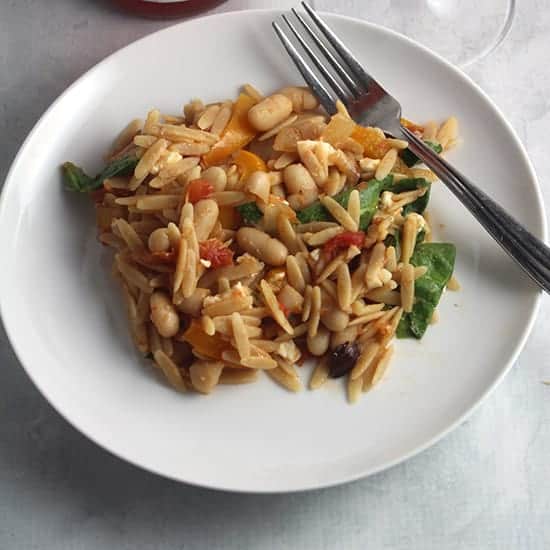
[199, 189]
[214, 251]
[343, 241]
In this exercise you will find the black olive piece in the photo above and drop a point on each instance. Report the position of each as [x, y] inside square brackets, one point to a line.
[343, 359]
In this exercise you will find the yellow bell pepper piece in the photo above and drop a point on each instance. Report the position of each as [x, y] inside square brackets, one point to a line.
[248, 162]
[237, 134]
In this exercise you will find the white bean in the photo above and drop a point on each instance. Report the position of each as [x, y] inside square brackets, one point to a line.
[297, 178]
[269, 112]
[206, 216]
[216, 176]
[262, 246]
[349, 334]
[302, 99]
[318, 344]
[163, 314]
[205, 375]
[335, 319]
[159, 240]
[193, 304]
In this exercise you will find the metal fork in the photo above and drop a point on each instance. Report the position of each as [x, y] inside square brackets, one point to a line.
[370, 105]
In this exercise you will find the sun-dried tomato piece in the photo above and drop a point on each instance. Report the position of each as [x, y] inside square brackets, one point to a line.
[343, 241]
[199, 189]
[215, 252]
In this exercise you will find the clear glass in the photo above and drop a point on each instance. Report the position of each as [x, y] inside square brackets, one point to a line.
[462, 31]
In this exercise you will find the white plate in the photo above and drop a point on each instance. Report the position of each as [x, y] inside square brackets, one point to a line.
[66, 323]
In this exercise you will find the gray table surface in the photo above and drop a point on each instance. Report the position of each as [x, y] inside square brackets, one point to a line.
[485, 486]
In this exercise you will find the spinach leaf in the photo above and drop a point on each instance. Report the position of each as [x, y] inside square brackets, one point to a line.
[410, 159]
[75, 179]
[315, 212]
[439, 258]
[410, 184]
[368, 198]
[124, 166]
[419, 205]
[250, 213]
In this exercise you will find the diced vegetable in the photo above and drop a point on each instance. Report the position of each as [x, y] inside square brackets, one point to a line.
[248, 162]
[410, 159]
[215, 252]
[338, 129]
[199, 189]
[250, 213]
[373, 141]
[369, 194]
[343, 241]
[209, 346]
[439, 258]
[237, 134]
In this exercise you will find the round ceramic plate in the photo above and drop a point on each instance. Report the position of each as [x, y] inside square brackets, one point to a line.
[65, 318]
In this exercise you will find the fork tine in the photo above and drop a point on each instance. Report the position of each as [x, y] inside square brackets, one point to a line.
[311, 79]
[336, 87]
[348, 81]
[364, 78]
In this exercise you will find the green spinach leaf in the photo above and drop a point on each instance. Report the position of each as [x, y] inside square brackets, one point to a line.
[75, 179]
[368, 197]
[124, 166]
[410, 184]
[439, 258]
[410, 159]
[250, 213]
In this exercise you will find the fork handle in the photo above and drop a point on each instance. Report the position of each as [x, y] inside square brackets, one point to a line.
[527, 250]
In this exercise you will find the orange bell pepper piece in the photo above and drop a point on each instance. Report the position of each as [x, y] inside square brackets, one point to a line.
[237, 134]
[248, 162]
[209, 346]
[412, 126]
[374, 145]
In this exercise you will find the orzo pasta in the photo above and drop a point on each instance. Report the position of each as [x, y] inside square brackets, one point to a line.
[252, 235]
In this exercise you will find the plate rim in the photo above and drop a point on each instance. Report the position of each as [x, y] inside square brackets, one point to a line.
[542, 231]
